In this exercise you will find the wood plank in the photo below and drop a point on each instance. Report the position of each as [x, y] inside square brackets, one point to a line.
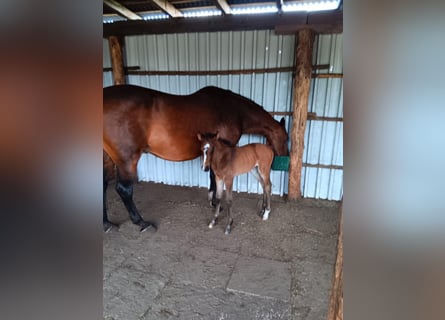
[122, 10]
[335, 311]
[302, 84]
[226, 23]
[211, 72]
[168, 8]
[319, 22]
[117, 61]
[224, 6]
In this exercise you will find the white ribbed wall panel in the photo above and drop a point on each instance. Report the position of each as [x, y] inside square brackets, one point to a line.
[273, 91]
[324, 139]
[106, 62]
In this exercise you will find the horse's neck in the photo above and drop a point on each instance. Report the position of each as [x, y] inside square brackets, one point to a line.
[258, 122]
[222, 156]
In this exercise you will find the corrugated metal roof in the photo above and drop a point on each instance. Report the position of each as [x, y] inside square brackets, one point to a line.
[142, 7]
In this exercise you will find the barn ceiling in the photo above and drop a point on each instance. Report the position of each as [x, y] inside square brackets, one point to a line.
[126, 17]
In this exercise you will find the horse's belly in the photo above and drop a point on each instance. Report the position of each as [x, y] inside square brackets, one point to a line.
[173, 153]
[173, 147]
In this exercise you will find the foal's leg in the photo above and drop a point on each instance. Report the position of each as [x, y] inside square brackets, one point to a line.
[256, 172]
[267, 192]
[229, 200]
[212, 189]
[124, 187]
[264, 178]
[218, 195]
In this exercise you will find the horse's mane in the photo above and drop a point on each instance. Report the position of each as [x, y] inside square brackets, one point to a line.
[215, 91]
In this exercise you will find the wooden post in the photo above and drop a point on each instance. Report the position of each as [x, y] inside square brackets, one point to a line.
[335, 311]
[117, 61]
[302, 85]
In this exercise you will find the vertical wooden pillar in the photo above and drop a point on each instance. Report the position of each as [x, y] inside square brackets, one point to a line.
[335, 311]
[302, 85]
[117, 60]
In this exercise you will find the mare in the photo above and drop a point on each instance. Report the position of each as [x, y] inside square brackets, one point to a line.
[138, 120]
[228, 161]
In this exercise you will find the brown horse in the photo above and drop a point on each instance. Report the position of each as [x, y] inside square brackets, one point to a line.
[138, 120]
[228, 161]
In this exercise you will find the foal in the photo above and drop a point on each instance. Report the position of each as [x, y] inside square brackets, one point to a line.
[228, 162]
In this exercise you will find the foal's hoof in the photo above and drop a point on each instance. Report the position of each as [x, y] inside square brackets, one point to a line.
[107, 225]
[228, 228]
[146, 224]
[265, 214]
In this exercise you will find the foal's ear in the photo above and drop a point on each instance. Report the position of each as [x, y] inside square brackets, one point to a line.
[199, 136]
[283, 122]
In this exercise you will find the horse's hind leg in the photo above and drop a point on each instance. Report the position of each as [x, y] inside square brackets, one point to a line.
[107, 225]
[229, 200]
[108, 171]
[124, 187]
[264, 178]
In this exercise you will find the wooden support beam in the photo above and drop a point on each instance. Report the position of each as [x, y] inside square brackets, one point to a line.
[117, 61]
[335, 311]
[302, 85]
[286, 22]
[123, 11]
[168, 8]
[279, 5]
[224, 6]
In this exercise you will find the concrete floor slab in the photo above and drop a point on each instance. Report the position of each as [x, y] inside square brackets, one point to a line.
[261, 277]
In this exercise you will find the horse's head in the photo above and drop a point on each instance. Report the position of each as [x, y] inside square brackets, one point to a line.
[277, 138]
[207, 145]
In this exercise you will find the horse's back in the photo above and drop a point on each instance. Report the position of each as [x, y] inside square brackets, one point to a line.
[248, 156]
[126, 96]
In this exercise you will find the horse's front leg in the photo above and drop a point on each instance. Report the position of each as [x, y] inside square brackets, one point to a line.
[229, 200]
[125, 190]
[218, 196]
[212, 189]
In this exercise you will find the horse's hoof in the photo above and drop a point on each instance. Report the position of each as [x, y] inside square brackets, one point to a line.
[108, 226]
[146, 225]
[211, 224]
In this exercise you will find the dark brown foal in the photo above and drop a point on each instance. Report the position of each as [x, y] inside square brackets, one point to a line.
[228, 161]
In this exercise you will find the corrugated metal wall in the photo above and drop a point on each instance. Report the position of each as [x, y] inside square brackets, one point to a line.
[324, 139]
[234, 51]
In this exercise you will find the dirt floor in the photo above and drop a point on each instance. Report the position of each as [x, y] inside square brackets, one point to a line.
[276, 269]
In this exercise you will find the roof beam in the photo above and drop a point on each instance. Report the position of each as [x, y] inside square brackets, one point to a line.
[279, 5]
[224, 6]
[168, 8]
[284, 23]
[123, 11]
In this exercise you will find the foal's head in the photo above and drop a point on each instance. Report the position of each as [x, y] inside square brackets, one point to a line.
[207, 145]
